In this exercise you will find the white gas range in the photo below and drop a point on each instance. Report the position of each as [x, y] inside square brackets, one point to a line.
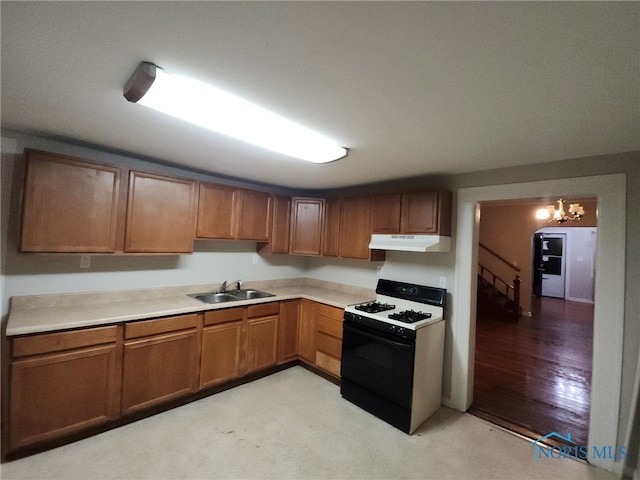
[392, 353]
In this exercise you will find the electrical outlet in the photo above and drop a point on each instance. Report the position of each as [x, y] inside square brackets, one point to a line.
[379, 271]
[442, 283]
[255, 258]
[85, 261]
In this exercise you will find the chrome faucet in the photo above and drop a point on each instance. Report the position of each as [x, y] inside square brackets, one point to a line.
[225, 285]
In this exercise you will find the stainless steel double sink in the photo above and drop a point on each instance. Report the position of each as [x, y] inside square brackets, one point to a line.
[231, 296]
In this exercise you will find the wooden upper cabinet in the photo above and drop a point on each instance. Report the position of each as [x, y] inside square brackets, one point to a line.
[254, 219]
[280, 226]
[161, 213]
[355, 229]
[331, 228]
[306, 226]
[233, 213]
[385, 214]
[426, 212]
[69, 205]
[216, 211]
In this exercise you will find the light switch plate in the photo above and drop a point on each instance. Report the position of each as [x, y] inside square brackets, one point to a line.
[85, 261]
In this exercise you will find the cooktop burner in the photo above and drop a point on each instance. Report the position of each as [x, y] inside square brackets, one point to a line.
[374, 307]
[409, 316]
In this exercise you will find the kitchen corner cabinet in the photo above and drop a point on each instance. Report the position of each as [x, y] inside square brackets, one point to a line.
[161, 214]
[233, 213]
[262, 336]
[222, 348]
[306, 226]
[69, 205]
[329, 338]
[331, 228]
[255, 216]
[307, 331]
[355, 229]
[280, 226]
[288, 331]
[160, 361]
[216, 216]
[62, 383]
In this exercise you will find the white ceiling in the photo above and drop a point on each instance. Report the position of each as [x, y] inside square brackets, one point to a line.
[410, 88]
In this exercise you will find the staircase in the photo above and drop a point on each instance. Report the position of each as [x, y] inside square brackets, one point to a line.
[498, 297]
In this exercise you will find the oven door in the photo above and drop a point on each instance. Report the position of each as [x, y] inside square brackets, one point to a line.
[378, 363]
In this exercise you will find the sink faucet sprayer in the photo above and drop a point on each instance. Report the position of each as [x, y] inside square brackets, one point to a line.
[225, 285]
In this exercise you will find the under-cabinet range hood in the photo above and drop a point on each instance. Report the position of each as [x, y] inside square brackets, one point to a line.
[410, 243]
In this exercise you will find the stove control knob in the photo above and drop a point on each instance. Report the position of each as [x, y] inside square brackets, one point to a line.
[392, 329]
[400, 331]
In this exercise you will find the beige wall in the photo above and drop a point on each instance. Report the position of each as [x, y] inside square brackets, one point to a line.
[507, 229]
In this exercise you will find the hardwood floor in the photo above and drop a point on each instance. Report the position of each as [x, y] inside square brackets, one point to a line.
[534, 376]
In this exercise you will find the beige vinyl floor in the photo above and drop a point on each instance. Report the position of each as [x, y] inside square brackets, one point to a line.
[295, 425]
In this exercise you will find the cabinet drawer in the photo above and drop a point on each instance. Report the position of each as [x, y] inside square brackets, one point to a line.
[263, 310]
[222, 316]
[55, 342]
[331, 312]
[161, 325]
[328, 363]
[329, 326]
[329, 345]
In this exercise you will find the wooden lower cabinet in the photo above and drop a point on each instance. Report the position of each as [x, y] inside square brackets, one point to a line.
[66, 382]
[222, 347]
[160, 361]
[307, 331]
[288, 331]
[262, 336]
[62, 383]
[329, 338]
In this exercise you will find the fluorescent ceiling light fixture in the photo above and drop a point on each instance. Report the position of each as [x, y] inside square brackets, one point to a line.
[217, 110]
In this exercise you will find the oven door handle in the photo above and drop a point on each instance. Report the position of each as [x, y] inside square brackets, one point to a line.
[377, 338]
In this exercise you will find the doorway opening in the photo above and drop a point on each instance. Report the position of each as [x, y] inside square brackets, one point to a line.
[532, 373]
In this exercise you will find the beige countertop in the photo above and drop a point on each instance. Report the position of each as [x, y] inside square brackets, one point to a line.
[49, 313]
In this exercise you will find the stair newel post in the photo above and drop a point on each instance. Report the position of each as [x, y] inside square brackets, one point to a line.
[516, 296]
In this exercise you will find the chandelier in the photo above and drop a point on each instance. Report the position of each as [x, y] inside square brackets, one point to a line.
[558, 214]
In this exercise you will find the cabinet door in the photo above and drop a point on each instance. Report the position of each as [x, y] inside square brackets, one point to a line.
[355, 227]
[216, 211]
[331, 228]
[420, 212]
[288, 331]
[281, 219]
[262, 343]
[307, 331]
[69, 205]
[160, 367]
[221, 350]
[385, 214]
[54, 394]
[306, 226]
[254, 216]
[161, 213]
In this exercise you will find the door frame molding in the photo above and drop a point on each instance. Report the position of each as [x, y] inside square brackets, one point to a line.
[610, 191]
